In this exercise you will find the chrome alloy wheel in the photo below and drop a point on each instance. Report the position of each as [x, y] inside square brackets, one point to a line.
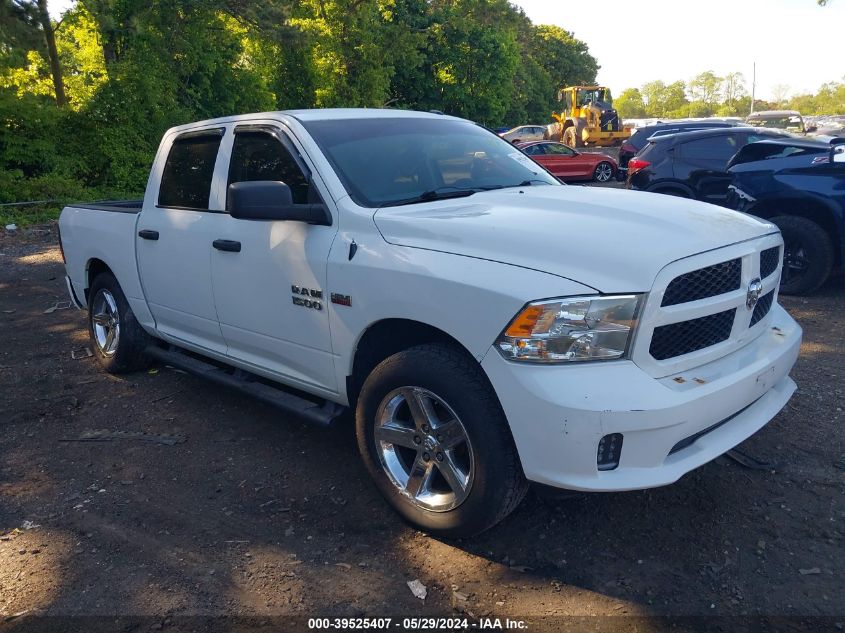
[604, 171]
[424, 449]
[105, 320]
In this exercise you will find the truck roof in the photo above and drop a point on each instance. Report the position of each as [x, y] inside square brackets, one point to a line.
[316, 114]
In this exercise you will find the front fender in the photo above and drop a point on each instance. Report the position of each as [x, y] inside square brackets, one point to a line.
[472, 300]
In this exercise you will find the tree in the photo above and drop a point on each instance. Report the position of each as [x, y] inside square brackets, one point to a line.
[665, 101]
[27, 23]
[630, 104]
[704, 88]
[733, 88]
[780, 92]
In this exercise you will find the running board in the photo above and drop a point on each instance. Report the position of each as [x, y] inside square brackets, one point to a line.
[322, 413]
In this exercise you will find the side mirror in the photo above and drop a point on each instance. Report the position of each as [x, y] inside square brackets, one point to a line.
[271, 200]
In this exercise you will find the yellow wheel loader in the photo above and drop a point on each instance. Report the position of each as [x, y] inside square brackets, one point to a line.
[587, 118]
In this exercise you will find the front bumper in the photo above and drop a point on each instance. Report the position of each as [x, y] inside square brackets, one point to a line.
[558, 414]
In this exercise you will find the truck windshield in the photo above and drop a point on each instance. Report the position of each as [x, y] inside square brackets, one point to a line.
[386, 162]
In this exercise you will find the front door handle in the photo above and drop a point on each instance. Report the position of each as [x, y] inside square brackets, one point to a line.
[147, 234]
[227, 245]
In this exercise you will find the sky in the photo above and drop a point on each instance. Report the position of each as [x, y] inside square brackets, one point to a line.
[795, 43]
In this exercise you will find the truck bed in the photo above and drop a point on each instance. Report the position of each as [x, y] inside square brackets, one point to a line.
[103, 231]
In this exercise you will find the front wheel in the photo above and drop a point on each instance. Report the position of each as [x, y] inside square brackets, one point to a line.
[808, 254]
[436, 442]
[604, 172]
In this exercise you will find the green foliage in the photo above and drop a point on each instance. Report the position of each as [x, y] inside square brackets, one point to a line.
[708, 95]
[133, 68]
[630, 104]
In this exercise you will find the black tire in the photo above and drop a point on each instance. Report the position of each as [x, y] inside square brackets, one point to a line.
[808, 255]
[600, 174]
[497, 483]
[131, 340]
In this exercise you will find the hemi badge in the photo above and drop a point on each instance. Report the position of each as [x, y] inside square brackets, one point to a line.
[344, 300]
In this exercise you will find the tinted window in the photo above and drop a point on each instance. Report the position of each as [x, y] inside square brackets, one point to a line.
[186, 181]
[641, 135]
[711, 148]
[261, 156]
[559, 150]
[534, 150]
[389, 161]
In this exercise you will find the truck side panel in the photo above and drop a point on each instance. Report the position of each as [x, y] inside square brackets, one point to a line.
[108, 236]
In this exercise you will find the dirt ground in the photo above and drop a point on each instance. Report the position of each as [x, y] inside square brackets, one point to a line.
[212, 504]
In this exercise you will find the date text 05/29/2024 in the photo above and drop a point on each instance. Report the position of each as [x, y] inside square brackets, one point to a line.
[418, 624]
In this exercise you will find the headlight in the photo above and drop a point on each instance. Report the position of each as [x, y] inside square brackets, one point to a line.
[572, 329]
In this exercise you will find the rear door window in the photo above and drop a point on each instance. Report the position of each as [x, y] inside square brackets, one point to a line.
[186, 180]
[712, 148]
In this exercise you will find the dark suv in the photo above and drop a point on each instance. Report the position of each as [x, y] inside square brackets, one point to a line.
[641, 136]
[799, 185]
[692, 164]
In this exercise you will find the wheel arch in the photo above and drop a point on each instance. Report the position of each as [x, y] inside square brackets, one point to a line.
[94, 267]
[386, 337]
[666, 186]
[812, 209]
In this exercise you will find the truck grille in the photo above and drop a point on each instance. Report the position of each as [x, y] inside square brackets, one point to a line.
[762, 308]
[685, 337]
[769, 259]
[704, 282]
[698, 311]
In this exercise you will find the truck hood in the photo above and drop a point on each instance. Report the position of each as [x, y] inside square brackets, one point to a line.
[612, 240]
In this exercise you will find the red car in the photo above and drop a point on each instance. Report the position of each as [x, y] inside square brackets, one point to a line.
[565, 163]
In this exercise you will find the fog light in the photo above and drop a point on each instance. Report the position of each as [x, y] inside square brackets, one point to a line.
[610, 448]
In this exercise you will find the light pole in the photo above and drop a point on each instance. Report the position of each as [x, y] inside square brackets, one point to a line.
[753, 85]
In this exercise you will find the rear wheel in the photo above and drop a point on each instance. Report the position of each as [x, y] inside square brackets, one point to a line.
[118, 339]
[604, 171]
[436, 442]
[807, 256]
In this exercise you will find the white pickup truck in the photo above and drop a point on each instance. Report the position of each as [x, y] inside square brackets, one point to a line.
[488, 325]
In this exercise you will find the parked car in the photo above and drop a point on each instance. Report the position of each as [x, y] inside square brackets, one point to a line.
[642, 135]
[692, 164]
[786, 120]
[798, 185]
[567, 164]
[487, 325]
[524, 133]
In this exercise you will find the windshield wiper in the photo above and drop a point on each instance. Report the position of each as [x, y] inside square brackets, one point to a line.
[441, 193]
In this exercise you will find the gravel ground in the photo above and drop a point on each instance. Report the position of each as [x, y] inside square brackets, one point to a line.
[211, 504]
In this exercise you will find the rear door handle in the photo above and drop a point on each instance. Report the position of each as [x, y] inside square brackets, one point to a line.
[147, 234]
[227, 245]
